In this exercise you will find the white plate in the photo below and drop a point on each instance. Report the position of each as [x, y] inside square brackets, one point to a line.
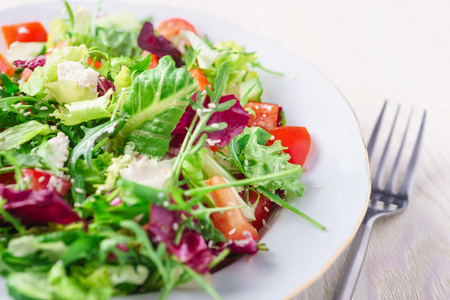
[299, 253]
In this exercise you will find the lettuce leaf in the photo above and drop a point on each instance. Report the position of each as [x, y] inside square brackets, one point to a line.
[19, 134]
[49, 72]
[258, 160]
[86, 110]
[69, 92]
[155, 104]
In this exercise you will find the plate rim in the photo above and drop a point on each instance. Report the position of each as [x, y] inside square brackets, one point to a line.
[341, 249]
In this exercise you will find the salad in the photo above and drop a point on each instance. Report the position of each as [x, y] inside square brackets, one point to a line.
[134, 158]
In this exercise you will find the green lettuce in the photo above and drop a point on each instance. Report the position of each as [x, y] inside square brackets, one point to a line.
[28, 245]
[58, 31]
[15, 136]
[83, 111]
[259, 160]
[35, 85]
[69, 92]
[156, 102]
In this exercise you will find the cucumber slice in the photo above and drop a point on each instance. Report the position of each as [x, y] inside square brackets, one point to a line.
[255, 94]
[29, 286]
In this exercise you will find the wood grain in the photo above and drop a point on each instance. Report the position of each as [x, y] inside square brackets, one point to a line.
[375, 50]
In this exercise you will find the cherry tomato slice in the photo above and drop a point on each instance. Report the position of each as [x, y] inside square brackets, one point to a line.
[24, 32]
[262, 210]
[41, 180]
[232, 223]
[296, 138]
[266, 115]
[201, 79]
[170, 28]
[26, 73]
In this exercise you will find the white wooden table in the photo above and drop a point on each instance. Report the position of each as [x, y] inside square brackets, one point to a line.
[374, 50]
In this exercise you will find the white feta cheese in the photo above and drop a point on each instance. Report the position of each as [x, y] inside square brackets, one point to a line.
[71, 70]
[60, 147]
[148, 172]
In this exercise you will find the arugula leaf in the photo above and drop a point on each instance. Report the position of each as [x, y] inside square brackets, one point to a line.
[94, 174]
[143, 65]
[155, 104]
[10, 87]
[190, 57]
[258, 160]
[19, 134]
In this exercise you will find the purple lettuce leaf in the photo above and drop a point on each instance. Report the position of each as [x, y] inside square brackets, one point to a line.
[236, 117]
[192, 249]
[31, 63]
[157, 45]
[104, 85]
[37, 207]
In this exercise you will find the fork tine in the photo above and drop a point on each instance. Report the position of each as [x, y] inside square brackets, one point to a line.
[377, 179]
[376, 129]
[390, 184]
[412, 165]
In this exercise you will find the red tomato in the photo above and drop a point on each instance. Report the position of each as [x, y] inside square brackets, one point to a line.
[296, 138]
[24, 32]
[97, 64]
[7, 178]
[266, 115]
[59, 44]
[41, 180]
[26, 73]
[201, 79]
[262, 209]
[232, 223]
[5, 66]
[170, 28]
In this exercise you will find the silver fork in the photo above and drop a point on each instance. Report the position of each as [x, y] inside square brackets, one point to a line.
[393, 203]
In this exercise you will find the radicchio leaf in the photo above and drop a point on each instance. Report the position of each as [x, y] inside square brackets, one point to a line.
[37, 207]
[31, 63]
[236, 117]
[192, 249]
[244, 246]
[104, 85]
[157, 45]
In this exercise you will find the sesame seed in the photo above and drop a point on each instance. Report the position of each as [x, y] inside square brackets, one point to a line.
[264, 222]
[76, 204]
[175, 226]
[215, 125]
[232, 231]
[206, 110]
[211, 105]
[266, 208]
[293, 77]
[72, 180]
[27, 114]
[246, 162]
[54, 128]
[283, 166]
[231, 204]
[50, 115]
[272, 138]
[43, 108]
[318, 186]
[123, 89]
[257, 106]
[160, 195]
[166, 203]
[21, 111]
[78, 190]
[41, 179]
[17, 105]
[210, 244]
[264, 115]
[199, 112]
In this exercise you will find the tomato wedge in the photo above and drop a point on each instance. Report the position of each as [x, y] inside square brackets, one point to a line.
[26, 73]
[232, 223]
[266, 115]
[41, 180]
[97, 64]
[5, 66]
[201, 79]
[296, 138]
[24, 32]
[262, 210]
[170, 28]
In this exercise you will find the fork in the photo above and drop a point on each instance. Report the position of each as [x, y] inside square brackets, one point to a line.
[392, 203]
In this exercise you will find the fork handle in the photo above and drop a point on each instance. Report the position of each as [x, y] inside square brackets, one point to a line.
[353, 264]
